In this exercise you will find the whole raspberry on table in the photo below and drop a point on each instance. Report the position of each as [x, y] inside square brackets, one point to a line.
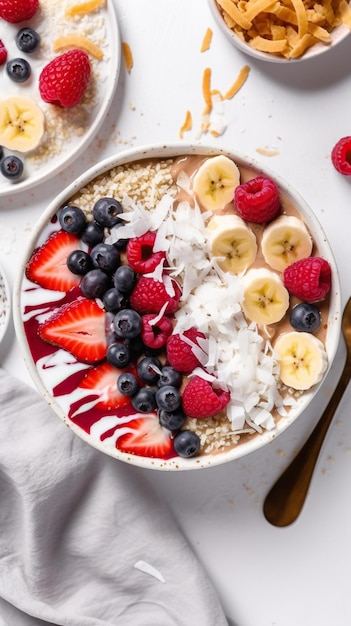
[257, 200]
[201, 399]
[180, 353]
[150, 295]
[3, 53]
[64, 80]
[15, 11]
[341, 156]
[308, 279]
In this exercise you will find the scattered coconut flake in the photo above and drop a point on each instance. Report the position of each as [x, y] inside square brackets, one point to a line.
[159, 316]
[147, 568]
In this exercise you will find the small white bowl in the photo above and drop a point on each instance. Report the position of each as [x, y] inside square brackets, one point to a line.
[48, 372]
[337, 35]
[5, 304]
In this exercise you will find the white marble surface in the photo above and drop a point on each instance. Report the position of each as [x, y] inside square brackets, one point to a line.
[265, 576]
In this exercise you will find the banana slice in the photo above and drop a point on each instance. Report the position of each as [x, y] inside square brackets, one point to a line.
[21, 123]
[229, 237]
[302, 359]
[215, 181]
[285, 241]
[265, 299]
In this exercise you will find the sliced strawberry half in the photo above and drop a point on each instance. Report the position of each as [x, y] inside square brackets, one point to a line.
[47, 267]
[79, 328]
[146, 438]
[102, 381]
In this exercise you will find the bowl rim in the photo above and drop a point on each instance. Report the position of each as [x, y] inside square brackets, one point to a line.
[174, 149]
[339, 33]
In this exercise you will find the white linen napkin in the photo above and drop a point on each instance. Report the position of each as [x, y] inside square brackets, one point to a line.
[78, 529]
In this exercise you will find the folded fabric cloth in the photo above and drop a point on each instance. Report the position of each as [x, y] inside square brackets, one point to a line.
[84, 541]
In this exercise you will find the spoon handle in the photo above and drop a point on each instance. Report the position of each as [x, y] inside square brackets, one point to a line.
[287, 496]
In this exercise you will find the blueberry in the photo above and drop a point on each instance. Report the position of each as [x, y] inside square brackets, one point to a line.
[137, 346]
[79, 262]
[72, 219]
[94, 284]
[305, 317]
[168, 398]
[148, 369]
[127, 323]
[105, 256]
[106, 212]
[144, 400]
[92, 234]
[186, 443]
[170, 376]
[172, 420]
[11, 167]
[127, 384]
[118, 354]
[18, 70]
[27, 40]
[114, 300]
[1, 152]
[124, 278]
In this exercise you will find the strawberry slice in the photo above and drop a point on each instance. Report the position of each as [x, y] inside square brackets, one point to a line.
[79, 328]
[47, 267]
[102, 380]
[146, 438]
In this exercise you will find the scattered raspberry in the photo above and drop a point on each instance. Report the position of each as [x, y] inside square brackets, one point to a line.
[155, 335]
[149, 296]
[341, 156]
[200, 399]
[15, 11]
[180, 354]
[140, 253]
[64, 80]
[3, 53]
[308, 279]
[257, 200]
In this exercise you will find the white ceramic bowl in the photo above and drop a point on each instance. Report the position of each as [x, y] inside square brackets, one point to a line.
[48, 373]
[337, 35]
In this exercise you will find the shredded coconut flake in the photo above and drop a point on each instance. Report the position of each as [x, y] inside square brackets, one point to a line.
[145, 567]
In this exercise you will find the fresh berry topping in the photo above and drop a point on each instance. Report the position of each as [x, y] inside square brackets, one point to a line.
[118, 354]
[201, 399]
[149, 296]
[27, 40]
[172, 420]
[257, 200]
[3, 53]
[95, 283]
[145, 437]
[155, 334]
[72, 219]
[48, 265]
[149, 369]
[140, 253]
[92, 234]
[180, 352]
[127, 324]
[305, 317]
[341, 156]
[102, 382]
[114, 300]
[106, 212]
[144, 400]
[79, 262]
[18, 70]
[308, 279]
[124, 278]
[127, 384]
[12, 167]
[15, 11]
[168, 398]
[64, 80]
[186, 443]
[169, 376]
[105, 256]
[79, 328]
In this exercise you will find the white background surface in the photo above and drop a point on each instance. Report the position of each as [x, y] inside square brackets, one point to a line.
[265, 576]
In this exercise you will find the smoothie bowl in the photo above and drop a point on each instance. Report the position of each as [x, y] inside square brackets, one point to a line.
[178, 306]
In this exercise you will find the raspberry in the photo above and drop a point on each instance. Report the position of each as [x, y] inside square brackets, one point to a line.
[149, 296]
[180, 354]
[257, 200]
[15, 11]
[341, 156]
[308, 279]
[3, 53]
[155, 335]
[64, 80]
[140, 253]
[200, 399]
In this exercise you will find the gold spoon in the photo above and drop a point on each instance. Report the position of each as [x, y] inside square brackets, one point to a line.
[287, 496]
